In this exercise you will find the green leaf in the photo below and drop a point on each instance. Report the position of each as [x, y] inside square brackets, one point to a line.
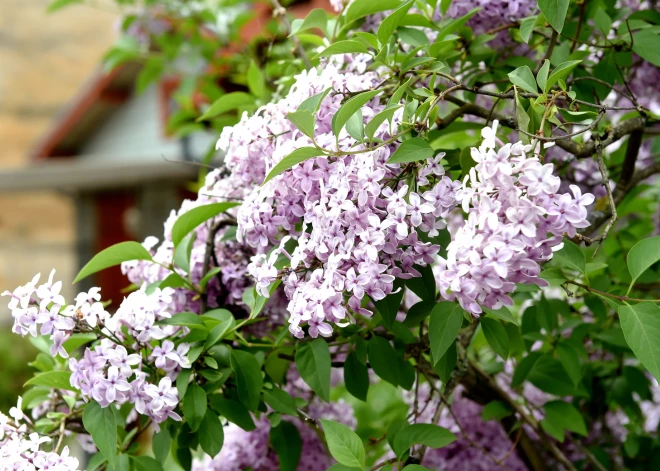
[560, 73]
[640, 258]
[313, 363]
[561, 415]
[522, 116]
[576, 116]
[496, 336]
[415, 467]
[217, 333]
[280, 401]
[495, 410]
[52, 379]
[445, 323]
[602, 21]
[248, 378]
[194, 406]
[287, 443]
[373, 125]
[641, 328]
[145, 463]
[313, 103]
[527, 28]
[344, 444]
[233, 411]
[78, 340]
[432, 436]
[447, 363]
[349, 108]
[348, 46]
[542, 76]
[161, 443]
[550, 376]
[502, 313]
[645, 45]
[523, 369]
[523, 78]
[317, 18]
[211, 434]
[411, 150]
[56, 5]
[189, 220]
[570, 361]
[356, 377]
[383, 359]
[389, 306]
[355, 126]
[391, 21]
[255, 80]
[228, 102]
[114, 255]
[294, 158]
[303, 120]
[182, 253]
[555, 12]
[101, 423]
[361, 8]
[570, 256]
[185, 319]
[395, 99]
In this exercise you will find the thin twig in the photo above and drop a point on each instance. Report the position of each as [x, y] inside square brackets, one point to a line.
[280, 11]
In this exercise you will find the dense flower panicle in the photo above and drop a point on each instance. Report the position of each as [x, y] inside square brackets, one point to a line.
[354, 222]
[22, 450]
[515, 218]
[108, 373]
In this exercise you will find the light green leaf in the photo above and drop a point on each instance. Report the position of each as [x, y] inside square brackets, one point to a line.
[218, 332]
[228, 102]
[294, 158]
[645, 44]
[524, 78]
[348, 46]
[280, 401]
[313, 103]
[194, 406]
[248, 378]
[344, 444]
[432, 436]
[496, 336]
[161, 444]
[361, 8]
[644, 253]
[303, 120]
[373, 125]
[570, 256]
[542, 76]
[56, 5]
[114, 255]
[185, 319]
[355, 126]
[502, 313]
[555, 12]
[317, 18]
[183, 252]
[313, 363]
[577, 116]
[255, 80]
[190, 220]
[233, 411]
[527, 28]
[52, 379]
[391, 21]
[445, 323]
[349, 108]
[101, 423]
[411, 150]
[211, 434]
[560, 73]
[641, 328]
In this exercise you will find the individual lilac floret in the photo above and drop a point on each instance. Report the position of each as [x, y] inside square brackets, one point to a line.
[515, 219]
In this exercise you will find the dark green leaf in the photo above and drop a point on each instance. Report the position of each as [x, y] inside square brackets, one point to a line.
[495, 410]
[248, 378]
[280, 401]
[641, 327]
[445, 323]
[233, 411]
[570, 361]
[313, 363]
[447, 363]
[524, 368]
[563, 416]
[383, 359]
[570, 256]
[645, 44]
[185, 319]
[194, 406]
[287, 443]
[502, 313]
[114, 255]
[161, 443]
[550, 376]
[496, 336]
[356, 377]
[429, 435]
[146, 463]
[211, 434]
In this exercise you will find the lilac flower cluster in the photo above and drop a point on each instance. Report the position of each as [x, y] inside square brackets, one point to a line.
[516, 217]
[357, 219]
[108, 373]
[21, 450]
